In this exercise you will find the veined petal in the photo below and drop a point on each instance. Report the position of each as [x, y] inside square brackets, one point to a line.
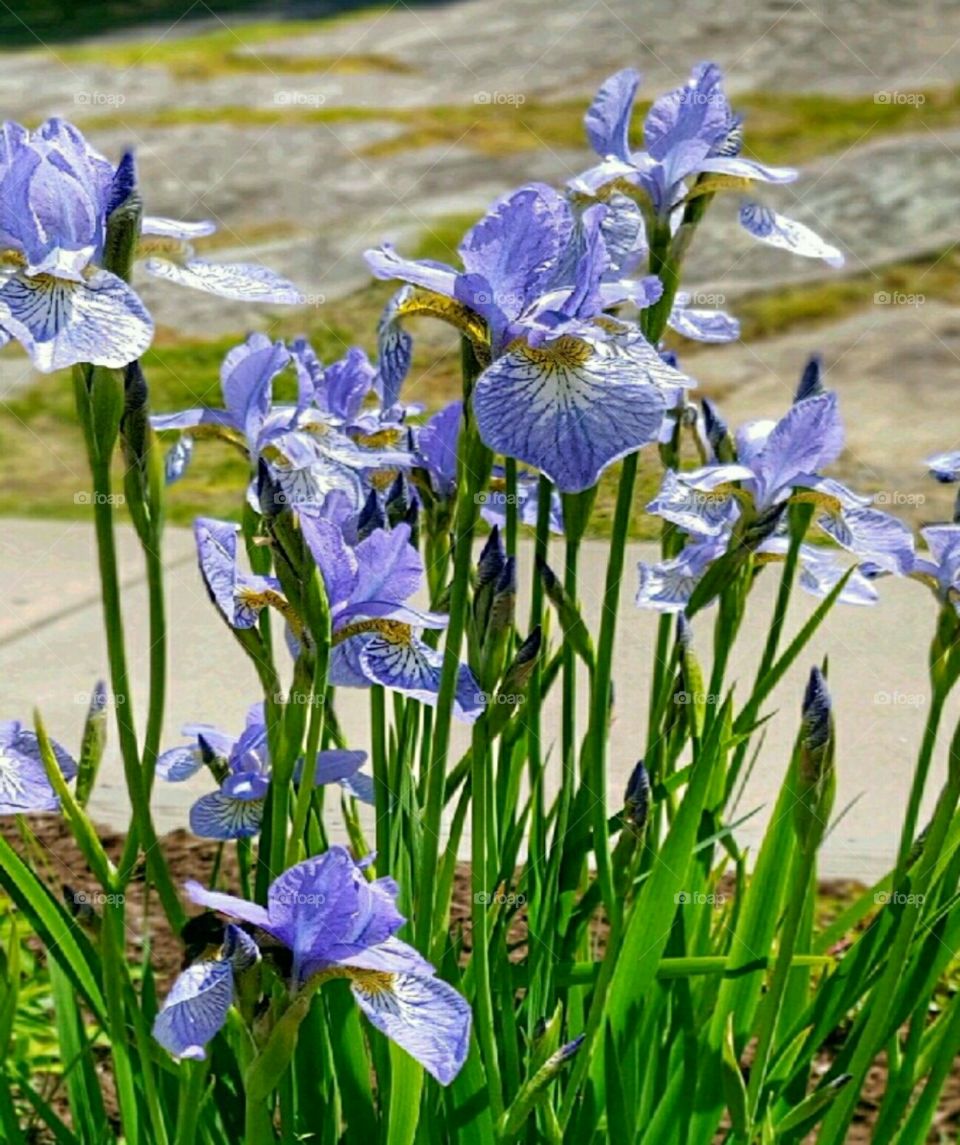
[569, 408]
[385, 263]
[59, 323]
[873, 536]
[702, 325]
[394, 348]
[238, 281]
[739, 167]
[336, 765]
[667, 586]
[424, 1015]
[608, 118]
[787, 234]
[179, 763]
[24, 785]
[394, 658]
[697, 501]
[196, 1008]
[227, 904]
[218, 816]
[175, 229]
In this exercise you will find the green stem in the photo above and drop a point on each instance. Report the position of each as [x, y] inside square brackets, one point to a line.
[480, 955]
[119, 681]
[473, 463]
[381, 778]
[919, 782]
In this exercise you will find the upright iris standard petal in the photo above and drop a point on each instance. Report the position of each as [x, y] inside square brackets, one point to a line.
[808, 437]
[608, 118]
[59, 321]
[570, 408]
[246, 378]
[24, 785]
[437, 447]
[787, 234]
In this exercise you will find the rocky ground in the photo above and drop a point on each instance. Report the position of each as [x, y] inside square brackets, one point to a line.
[312, 139]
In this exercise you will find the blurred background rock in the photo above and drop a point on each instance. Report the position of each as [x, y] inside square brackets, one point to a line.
[310, 131]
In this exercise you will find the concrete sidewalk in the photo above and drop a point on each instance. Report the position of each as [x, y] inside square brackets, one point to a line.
[52, 651]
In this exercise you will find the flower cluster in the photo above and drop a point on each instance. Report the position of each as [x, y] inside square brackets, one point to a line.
[738, 502]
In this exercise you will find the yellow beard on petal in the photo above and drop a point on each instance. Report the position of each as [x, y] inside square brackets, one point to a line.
[373, 982]
[566, 352]
[393, 630]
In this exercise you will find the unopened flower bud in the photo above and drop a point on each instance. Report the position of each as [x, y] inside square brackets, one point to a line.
[372, 516]
[811, 380]
[636, 800]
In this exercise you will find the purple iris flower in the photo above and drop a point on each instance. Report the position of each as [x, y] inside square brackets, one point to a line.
[688, 132]
[55, 297]
[941, 568]
[337, 924]
[569, 389]
[376, 633]
[242, 767]
[775, 462]
[24, 785]
[305, 445]
[774, 459]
